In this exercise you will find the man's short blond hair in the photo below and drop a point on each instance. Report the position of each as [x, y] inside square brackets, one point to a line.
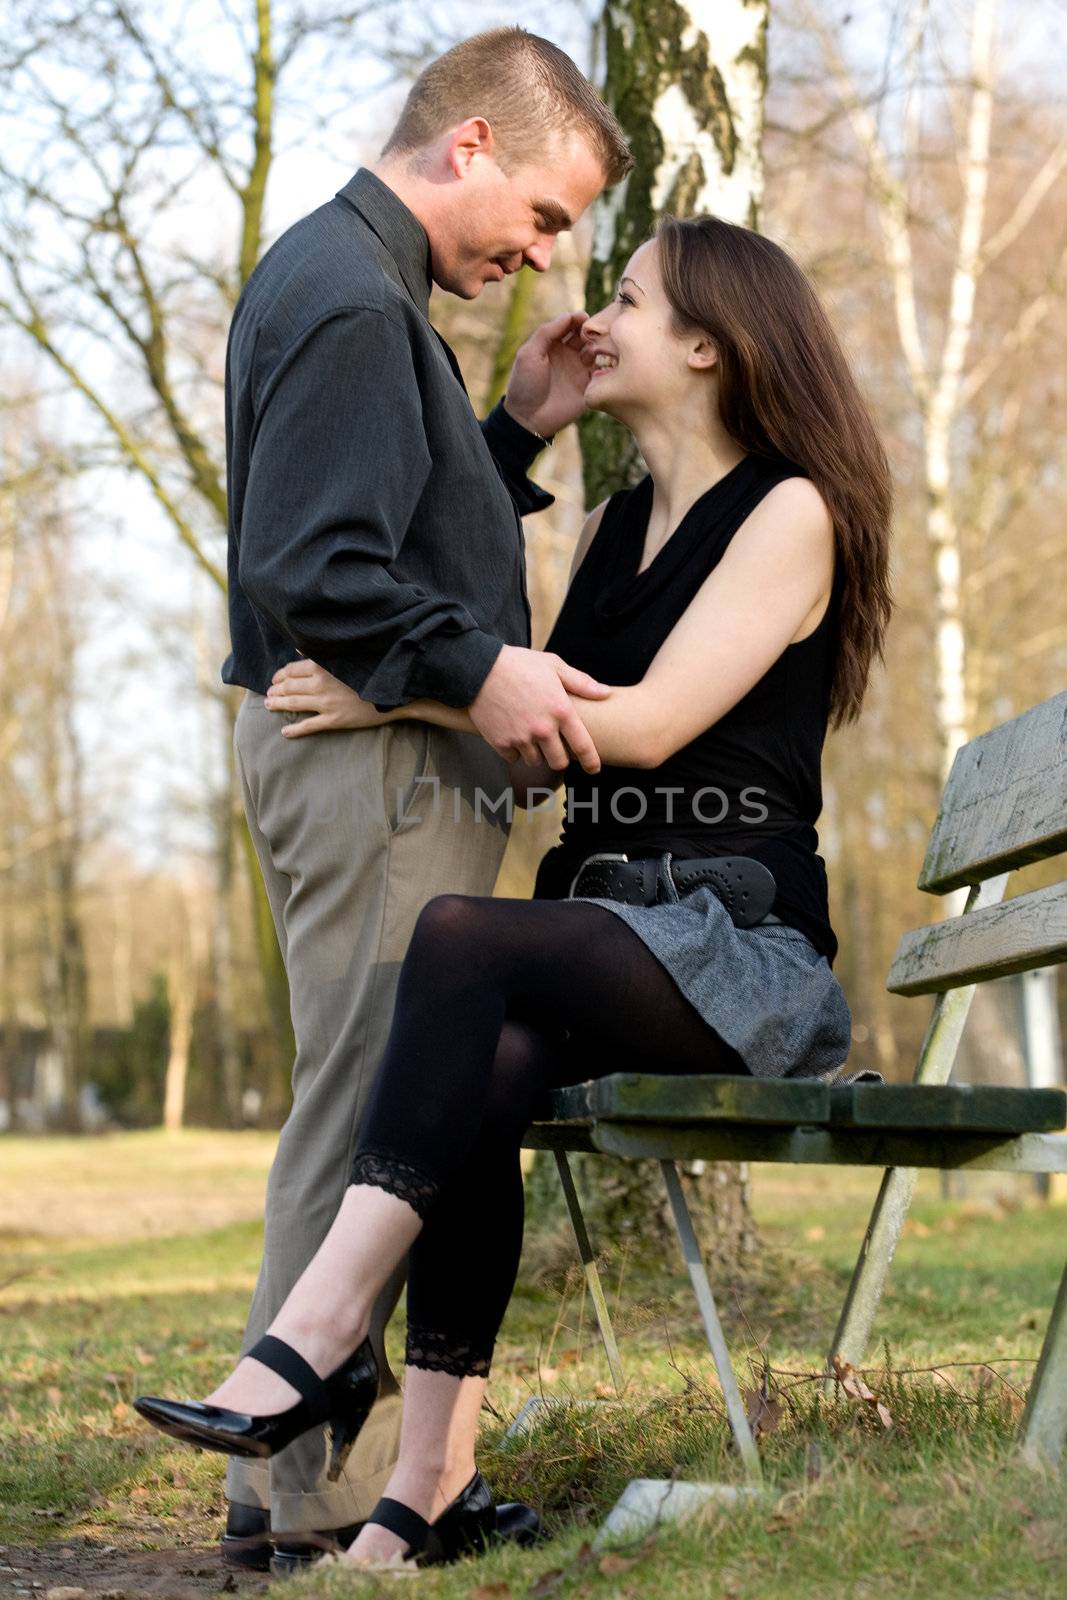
[527, 89]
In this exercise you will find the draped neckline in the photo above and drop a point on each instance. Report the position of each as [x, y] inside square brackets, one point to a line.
[626, 589]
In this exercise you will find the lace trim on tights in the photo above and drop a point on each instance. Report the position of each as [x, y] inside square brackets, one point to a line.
[388, 1172]
[447, 1352]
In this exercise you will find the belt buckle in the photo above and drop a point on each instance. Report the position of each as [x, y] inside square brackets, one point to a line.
[601, 855]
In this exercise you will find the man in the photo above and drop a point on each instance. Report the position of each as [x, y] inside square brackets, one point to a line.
[374, 527]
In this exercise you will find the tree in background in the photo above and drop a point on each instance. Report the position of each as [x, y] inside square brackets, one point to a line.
[43, 819]
[925, 188]
[687, 83]
[121, 130]
[942, 253]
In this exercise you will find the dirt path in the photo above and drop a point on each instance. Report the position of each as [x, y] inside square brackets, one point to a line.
[92, 1568]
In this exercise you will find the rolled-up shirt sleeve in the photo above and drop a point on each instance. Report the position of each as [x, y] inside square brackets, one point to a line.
[331, 493]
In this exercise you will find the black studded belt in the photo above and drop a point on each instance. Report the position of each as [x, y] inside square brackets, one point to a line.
[745, 886]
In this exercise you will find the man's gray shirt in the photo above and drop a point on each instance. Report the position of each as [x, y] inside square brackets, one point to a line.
[373, 521]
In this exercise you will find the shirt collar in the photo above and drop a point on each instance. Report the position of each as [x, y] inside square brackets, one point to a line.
[399, 229]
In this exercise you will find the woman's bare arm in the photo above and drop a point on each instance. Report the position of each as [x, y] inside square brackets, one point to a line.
[330, 705]
[775, 575]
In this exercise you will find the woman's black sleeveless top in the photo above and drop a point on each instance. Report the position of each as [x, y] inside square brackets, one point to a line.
[749, 785]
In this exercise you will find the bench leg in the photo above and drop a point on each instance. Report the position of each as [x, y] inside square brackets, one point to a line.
[936, 1059]
[592, 1276]
[872, 1268]
[865, 1292]
[1043, 1430]
[735, 1409]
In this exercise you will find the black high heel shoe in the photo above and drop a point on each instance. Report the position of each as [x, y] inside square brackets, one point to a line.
[343, 1400]
[465, 1527]
[473, 1521]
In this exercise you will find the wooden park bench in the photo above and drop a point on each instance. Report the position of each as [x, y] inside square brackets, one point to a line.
[1005, 804]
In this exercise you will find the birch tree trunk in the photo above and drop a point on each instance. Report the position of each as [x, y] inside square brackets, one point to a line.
[188, 959]
[59, 772]
[941, 381]
[687, 82]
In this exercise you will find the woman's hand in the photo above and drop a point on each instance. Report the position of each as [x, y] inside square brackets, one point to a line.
[304, 686]
[546, 389]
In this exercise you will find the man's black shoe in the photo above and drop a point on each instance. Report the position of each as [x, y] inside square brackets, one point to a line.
[294, 1556]
[246, 1542]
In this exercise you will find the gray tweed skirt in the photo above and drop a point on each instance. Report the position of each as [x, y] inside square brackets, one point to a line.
[766, 990]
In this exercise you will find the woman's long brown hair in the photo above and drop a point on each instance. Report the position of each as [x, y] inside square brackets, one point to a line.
[786, 389]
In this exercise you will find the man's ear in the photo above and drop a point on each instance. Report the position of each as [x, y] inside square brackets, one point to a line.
[470, 139]
[702, 353]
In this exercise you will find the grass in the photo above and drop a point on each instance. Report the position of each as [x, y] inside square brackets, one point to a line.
[126, 1265]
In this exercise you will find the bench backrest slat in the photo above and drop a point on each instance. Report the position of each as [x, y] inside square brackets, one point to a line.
[1027, 931]
[1005, 802]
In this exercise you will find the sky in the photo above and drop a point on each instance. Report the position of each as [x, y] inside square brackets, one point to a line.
[147, 739]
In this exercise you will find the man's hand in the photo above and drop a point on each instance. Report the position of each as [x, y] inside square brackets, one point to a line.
[546, 389]
[522, 708]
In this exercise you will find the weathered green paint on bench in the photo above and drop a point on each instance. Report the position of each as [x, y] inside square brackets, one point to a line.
[662, 1097]
[807, 1145]
[1003, 803]
[634, 1097]
[1027, 931]
[957, 1107]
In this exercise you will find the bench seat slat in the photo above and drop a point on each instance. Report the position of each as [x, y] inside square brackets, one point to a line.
[825, 1146]
[957, 1107]
[1025, 932]
[660, 1097]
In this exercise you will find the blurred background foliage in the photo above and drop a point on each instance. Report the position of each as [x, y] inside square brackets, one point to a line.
[910, 156]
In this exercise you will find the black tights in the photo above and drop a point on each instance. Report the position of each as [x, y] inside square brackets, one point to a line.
[498, 1002]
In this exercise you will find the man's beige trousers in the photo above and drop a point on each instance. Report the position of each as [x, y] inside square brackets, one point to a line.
[355, 831]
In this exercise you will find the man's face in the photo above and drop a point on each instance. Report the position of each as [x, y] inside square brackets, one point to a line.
[504, 221]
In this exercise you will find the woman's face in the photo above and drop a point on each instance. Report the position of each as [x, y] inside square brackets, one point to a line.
[642, 362]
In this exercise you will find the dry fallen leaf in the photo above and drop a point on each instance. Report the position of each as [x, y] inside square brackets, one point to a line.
[612, 1565]
[855, 1386]
[491, 1591]
[786, 1513]
[547, 1583]
[763, 1409]
[1045, 1539]
[911, 1524]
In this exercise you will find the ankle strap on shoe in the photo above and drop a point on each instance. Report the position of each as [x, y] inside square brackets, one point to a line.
[290, 1365]
[401, 1520]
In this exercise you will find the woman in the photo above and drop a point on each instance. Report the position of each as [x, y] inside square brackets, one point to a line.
[735, 598]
